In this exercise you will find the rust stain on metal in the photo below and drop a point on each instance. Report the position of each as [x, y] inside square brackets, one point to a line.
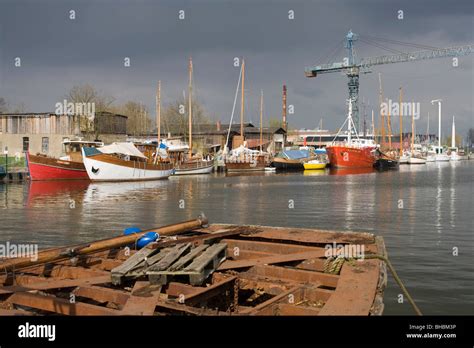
[260, 271]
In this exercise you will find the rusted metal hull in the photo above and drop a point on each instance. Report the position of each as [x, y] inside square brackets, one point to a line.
[266, 271]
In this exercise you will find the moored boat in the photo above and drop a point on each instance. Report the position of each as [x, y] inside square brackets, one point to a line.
[291, 159]
[314, 165]
[352, 153]
[68, 167]
[416, 160]
[316, 269]
[123, 162]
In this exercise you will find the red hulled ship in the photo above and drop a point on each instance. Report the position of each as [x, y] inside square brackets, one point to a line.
[69, 167]
[352, 153]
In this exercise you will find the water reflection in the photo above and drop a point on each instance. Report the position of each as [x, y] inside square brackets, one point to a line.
[435, 216]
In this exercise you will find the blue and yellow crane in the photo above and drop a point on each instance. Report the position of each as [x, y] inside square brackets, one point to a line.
[353, 67]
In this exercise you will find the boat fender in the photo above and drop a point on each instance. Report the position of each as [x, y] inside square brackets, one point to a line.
[147, 239]
[130, 230]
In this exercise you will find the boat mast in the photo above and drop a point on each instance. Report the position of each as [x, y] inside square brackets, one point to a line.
[349, 123]
[428, 129]
[190, 111]
[389, 126]
[158, 114]
[373, 125]
[242, 100]
[412, 131]
[382, 130]
[453, 135]
[261, 119]
[400, 112]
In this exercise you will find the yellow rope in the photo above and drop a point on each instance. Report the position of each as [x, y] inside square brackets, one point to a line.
[333, 265]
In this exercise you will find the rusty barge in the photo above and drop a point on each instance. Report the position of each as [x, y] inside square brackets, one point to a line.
[200, 269]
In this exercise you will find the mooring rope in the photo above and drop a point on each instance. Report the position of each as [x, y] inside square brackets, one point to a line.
[333, 265]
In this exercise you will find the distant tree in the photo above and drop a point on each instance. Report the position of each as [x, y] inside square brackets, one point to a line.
[3, 105]
[88, 94]
[19, 108]
[470, 137]
[274, 122]
[139, 120]
[458, 141]
[175, 117]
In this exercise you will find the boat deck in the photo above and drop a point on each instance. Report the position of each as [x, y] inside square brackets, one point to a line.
[218, 270]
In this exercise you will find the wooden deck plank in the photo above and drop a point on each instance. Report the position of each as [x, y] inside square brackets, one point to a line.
[55, 284]
[296, 275]
[271, 260]
[58, 305]
[304, 234]
[355, 290]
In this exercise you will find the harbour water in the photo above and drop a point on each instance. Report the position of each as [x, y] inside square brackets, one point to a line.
[423, 212]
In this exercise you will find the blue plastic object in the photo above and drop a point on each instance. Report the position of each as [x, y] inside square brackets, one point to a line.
[130, 230]
[147, 239]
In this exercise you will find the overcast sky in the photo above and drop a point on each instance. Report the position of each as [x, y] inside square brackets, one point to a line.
[57, 53]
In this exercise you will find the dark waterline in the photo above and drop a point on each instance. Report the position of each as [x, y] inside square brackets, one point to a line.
[423, 212]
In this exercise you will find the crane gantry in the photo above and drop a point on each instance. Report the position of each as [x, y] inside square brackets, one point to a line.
[353, 67]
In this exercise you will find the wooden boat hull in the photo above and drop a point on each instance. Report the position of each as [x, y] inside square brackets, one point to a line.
[48, 168]
[341, 156]
[259, 270]
[386, 164]
[105, 167]
[287, 164]
[191, 168]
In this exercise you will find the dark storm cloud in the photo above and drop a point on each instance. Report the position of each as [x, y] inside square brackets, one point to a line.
[58, 53]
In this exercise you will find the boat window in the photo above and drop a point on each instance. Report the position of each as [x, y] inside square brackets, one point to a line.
[45, 145]
[26, 143]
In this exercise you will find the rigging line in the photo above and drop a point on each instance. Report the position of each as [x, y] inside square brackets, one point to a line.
[374, 43]
[382, 47]
[233, 108]
[401, 42]
[332, 52]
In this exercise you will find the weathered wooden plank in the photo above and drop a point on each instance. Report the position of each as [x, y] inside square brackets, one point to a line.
[119, 272]
[304, 235]
[206, 263]
[187, 258]
[102, 295]
[297, 275]
[355, 290]
[14, 312]
[266, 247]
[169, 259]
[271, 260]
[58, 305]
[55, 284]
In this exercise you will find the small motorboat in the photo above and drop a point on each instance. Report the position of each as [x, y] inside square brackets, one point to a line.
[314, 165]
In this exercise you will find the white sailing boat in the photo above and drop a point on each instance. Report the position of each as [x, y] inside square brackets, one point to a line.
[440, 152]
[416, 154]
[453, 150]
[192, 165]
[122, 162]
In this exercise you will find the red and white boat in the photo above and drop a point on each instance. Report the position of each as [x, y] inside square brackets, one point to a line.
[69, 167]
[352, 153]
